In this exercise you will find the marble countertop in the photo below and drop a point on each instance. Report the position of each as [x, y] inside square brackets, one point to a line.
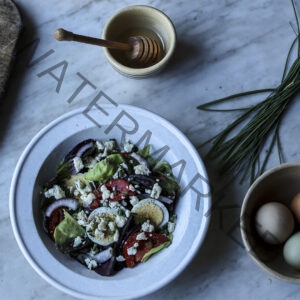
[224, 47]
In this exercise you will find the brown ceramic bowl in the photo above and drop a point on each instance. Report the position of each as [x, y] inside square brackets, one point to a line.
[279, 184]
[139, 20]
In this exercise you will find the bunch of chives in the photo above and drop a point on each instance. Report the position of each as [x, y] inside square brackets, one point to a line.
[241, 154]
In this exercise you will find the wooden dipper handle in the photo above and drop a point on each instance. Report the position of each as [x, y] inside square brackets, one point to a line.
[64, 35]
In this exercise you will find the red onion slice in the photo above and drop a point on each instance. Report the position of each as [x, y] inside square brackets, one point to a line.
[103, 256]
[84, 147]
[70, 203]
[81, 150]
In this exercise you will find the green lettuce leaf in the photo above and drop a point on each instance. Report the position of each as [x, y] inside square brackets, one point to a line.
[163, 167]
[66, 231]
[167, 181]
[145, 151]
[104, 169]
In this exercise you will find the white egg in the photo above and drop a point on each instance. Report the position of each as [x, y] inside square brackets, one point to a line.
[98, 225]
[291, 251]
[151, 209]
[274, 222]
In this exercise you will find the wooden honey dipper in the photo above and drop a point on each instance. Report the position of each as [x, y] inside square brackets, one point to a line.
[140, 49]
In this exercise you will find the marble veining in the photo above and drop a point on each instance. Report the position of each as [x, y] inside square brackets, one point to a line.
[224, 47]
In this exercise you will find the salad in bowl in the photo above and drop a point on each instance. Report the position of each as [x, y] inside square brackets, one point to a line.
[101, 218]
[110, 206]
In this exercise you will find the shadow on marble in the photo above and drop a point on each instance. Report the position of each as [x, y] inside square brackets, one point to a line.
[185, 55]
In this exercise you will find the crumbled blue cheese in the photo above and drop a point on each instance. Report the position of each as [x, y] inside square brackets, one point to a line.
[133, 200]
[147, 226]
[121, 168]
[116, 235]
[110, 145]
[112, 226]
[131, 188]
[84, 192]
[90, 225]
[128, 146]
[171, 227]
[132, 250]
[81, 188]
[116, 175]
[99, 145]
[141, 236]
[105, 203]
[141, 170]
[56, 192]
[88, 198]
[91, 263]
[127, 213]
[82, 218]
[77, 241]
[120, 258]
[113, 204]
[124, 166]
[78, 164]
[120, 221]
[105, 192]
[156, 190]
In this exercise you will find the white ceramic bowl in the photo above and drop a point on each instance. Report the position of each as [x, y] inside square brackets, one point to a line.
[37, 164]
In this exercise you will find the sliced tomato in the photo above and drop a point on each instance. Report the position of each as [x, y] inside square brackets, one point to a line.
[55, 218]
[95, 204]
[119, 188]
[144, 246]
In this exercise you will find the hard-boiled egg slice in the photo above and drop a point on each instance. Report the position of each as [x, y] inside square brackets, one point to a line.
[102, 228]
[151, 209]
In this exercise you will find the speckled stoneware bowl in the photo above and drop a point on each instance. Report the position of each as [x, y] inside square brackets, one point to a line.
[139, 20]
[279, 184]
[38, 164]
